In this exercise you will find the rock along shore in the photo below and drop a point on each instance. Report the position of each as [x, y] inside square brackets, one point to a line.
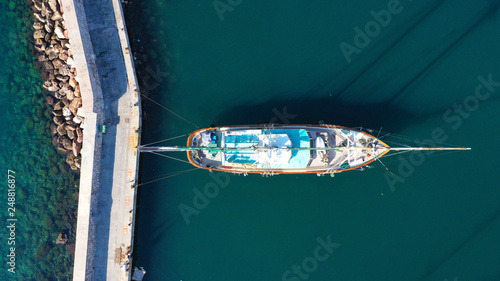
[53, 52]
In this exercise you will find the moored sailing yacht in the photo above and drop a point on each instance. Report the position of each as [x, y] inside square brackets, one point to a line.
[272, 149]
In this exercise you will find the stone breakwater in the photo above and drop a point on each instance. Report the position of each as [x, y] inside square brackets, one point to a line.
[53, 52]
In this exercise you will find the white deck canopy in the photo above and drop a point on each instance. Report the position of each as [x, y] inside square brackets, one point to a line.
[274, 156]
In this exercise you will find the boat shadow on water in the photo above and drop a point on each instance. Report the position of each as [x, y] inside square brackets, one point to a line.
[311, 111]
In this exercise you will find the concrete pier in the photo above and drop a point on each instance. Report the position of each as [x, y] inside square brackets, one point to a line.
[109, 170]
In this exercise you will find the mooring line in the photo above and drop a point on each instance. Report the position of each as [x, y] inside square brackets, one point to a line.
[170, 157]
[169, 110]
[169, 176]
[163, 140]
[384, 166]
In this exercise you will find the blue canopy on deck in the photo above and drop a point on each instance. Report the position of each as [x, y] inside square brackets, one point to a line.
[298, 137]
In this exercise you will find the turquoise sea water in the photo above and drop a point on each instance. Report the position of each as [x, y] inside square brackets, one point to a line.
[45, 190]
[437, 219]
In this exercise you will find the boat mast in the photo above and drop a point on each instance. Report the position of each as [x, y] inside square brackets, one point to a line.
[427, 148]
[257, 148]
[223, 149]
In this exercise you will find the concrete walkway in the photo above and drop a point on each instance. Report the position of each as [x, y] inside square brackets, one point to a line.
[111, 105]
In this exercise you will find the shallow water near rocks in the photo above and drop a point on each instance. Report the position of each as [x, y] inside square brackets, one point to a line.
[281, 61]
[45, 190]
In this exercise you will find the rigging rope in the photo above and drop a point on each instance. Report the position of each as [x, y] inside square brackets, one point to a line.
[414, 140]
[393, 142]
[169, 176]
[166, 156]
[428, 155]
[164, 107]
[396, 153]
[164, 140]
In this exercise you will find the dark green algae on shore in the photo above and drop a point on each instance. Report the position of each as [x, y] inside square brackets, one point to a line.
[46, 190]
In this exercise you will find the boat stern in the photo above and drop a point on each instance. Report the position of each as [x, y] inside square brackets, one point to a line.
[210, 139]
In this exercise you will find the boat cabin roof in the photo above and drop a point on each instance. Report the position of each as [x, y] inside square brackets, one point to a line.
[272, 138]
